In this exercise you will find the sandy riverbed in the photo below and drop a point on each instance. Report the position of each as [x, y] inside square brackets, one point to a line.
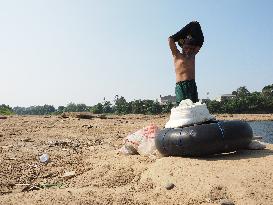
[89, 148]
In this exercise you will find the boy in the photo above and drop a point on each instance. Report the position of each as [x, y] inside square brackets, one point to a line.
[190, 39]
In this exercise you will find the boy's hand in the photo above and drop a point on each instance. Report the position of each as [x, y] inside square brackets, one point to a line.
[192, 30]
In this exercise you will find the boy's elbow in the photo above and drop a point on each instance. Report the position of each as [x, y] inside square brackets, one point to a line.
[170, 39]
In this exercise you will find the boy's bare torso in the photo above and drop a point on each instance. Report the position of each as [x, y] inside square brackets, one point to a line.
[184, 62]
[184, 67]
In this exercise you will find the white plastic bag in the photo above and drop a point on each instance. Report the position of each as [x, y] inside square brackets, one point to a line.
[141, 142]
[256, 145]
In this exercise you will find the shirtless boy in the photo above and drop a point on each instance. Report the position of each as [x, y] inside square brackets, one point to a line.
[190, 39]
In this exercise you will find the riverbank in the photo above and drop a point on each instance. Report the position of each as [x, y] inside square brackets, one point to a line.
[246, 117]
[85, 166]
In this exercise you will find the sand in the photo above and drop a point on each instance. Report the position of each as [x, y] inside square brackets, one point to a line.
[85, 166]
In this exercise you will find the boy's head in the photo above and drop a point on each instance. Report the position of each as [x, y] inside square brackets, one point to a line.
[189, 45]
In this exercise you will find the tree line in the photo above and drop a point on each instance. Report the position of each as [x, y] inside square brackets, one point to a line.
[245, 102]
[120, 106]
[242, 102]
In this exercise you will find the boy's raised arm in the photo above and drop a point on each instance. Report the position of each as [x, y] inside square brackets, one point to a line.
[173, 46]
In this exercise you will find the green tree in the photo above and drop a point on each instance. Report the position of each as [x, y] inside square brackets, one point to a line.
[214, 106]
[48, 109]
[166, 108]
[121, 106]
[35, 110]
[82, 108]
[61, 109]
[152, 107]
[6, 110]
[242, 91]
[137, 107]
[19, 110]
[107, 107]
[268, 90]
[71, 107]
[97, 109]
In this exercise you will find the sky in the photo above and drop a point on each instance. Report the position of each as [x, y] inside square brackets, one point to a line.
[84, 51]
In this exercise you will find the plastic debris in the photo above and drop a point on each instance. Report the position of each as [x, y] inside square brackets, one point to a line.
[141, 142]
[256, 145]
[68, 175]
[44, 158]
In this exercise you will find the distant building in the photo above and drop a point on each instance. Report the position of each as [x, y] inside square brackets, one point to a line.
[165, 99]
[225, 97]
[204, 100]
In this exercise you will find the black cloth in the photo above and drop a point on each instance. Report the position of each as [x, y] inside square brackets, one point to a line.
[191, 33]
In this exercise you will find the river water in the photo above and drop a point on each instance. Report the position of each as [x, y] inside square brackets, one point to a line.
[263, 129]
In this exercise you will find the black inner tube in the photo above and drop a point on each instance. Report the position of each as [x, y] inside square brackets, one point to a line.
[207, 138]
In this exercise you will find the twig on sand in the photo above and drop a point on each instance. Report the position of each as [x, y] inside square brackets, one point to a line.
[31, 187]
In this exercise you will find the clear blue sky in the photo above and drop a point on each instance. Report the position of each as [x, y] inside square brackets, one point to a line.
[60, 51]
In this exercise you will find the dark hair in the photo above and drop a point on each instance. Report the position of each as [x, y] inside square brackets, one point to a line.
[189, 40]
